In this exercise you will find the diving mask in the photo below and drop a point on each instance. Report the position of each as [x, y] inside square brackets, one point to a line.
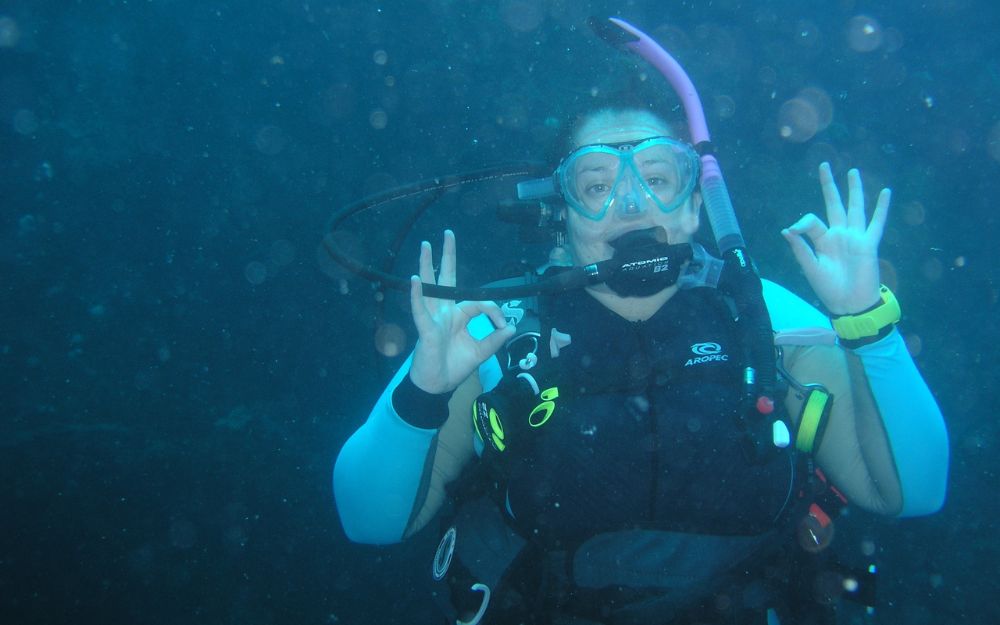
[629, 177]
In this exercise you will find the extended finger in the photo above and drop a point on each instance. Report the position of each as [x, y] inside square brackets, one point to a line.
[426, 263]
[855, 201]
[421, 316]
[880, 216]
[427, 272]
[446, 277]
[831, 196]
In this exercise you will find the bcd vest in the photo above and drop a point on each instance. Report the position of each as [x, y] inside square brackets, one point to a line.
[632, 426]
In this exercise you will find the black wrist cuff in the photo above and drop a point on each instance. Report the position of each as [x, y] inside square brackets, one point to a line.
[418, 407]
[866, 310]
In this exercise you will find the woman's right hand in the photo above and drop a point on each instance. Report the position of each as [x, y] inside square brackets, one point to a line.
[446, 354]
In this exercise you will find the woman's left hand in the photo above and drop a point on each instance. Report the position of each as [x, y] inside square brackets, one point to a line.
[842, 264]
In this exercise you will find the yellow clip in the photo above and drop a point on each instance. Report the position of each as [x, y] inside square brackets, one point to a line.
[545, 409]
[812, 420]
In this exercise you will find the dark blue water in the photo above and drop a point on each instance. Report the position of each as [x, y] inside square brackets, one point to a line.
[180, 361]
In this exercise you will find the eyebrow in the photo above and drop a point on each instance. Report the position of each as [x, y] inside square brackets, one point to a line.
[593, 169]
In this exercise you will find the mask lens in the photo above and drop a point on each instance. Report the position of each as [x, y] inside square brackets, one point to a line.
[660, 170]
[591, 174]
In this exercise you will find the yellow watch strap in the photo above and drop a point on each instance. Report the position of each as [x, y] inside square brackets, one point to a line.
[870, 323]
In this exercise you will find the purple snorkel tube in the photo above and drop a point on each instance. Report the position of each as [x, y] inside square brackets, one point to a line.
[714, 193]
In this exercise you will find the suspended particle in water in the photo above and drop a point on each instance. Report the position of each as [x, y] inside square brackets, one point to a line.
[868, 547]
[25, 122]
[892, 39]
[183, 533]
[798, 120]
[282, 252]
[914, 213]
[828, 587]
[821, 104]
[381, 57]
[993, 142]
[378, 119]
[933, 269]
[26, 225]
[255, 272]
[864, 33]
[10, 34]
[44, 172]
[522, 15]
[390, 339]
[815, 535]
[725, 106]
[807, 34]
[888, 274]
[270, 140]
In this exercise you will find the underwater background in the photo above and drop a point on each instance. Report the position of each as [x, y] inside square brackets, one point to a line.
[180, 359]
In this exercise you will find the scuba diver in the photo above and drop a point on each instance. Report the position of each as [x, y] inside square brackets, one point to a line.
[644, 447]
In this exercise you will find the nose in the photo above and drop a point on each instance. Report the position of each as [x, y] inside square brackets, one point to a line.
[629, 197]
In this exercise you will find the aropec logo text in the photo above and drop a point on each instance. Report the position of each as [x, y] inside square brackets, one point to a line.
[706, 352]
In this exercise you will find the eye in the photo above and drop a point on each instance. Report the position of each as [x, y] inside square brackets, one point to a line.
[598, 188]
[661, 180]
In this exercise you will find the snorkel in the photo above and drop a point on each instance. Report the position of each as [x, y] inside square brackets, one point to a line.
[714, 193]
[739, 279]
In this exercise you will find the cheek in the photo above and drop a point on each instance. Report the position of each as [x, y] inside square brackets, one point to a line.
[681, 224]
[584, 230]
[586, 240]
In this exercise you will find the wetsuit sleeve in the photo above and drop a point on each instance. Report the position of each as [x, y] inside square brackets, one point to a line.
[885, 445]
[913, 423]
[389, 477]
[379, 470]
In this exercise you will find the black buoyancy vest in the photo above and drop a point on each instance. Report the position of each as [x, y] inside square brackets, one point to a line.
[643, 434]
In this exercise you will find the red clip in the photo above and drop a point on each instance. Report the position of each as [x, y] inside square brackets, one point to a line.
[820, 515]
[765, 405]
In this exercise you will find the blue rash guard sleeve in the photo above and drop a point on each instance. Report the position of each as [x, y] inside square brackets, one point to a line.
[379, 471]
[913, 423]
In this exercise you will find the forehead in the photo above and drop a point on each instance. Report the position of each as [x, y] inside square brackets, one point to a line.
[619, 129]
[621, 134]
